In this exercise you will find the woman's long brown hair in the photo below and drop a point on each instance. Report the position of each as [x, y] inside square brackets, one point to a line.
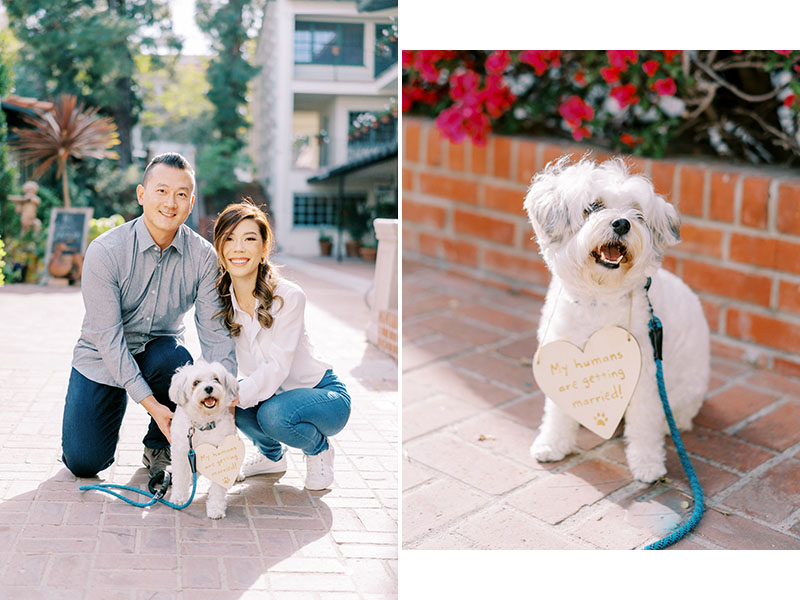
[267, 278]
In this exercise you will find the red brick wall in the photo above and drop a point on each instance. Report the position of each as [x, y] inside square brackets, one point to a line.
[387, 332]
[462, 210]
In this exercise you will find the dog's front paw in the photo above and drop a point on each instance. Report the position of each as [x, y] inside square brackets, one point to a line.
[648, 472]
[215, 512]
[546, 451]
[178, 498]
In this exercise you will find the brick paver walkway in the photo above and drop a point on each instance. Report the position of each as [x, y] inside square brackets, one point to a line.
[471, 410]
[278, 539]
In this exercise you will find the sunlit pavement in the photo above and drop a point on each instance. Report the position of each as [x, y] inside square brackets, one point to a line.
[471, 410]
[278, 540]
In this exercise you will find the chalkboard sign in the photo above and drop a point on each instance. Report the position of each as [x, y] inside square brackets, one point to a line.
[66, 242]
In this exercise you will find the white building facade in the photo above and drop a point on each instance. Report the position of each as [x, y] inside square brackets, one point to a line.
[326, 97]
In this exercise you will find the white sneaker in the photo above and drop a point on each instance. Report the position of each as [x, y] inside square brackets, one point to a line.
[258, 464]
[319, 470]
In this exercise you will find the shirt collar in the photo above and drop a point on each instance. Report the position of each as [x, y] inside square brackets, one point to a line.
[238, 308]
[147, 241]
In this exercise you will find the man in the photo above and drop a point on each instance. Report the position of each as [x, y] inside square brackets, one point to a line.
[139, 280]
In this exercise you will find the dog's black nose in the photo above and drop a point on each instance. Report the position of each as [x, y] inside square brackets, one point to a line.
[621, 226]
[209, 390]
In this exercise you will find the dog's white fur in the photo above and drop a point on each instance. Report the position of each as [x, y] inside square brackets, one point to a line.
[191, 387]
[571, 208]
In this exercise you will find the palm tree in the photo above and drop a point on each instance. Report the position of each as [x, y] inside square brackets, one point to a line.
[69, 131]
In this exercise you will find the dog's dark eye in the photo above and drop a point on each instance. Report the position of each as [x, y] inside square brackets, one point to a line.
[593, 207]
[196, 382]
[216, 379]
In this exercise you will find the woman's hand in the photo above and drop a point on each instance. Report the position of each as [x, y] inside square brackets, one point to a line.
[161, 415]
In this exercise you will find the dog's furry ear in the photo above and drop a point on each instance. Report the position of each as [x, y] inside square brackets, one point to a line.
[231, 385]
[178, 392]
[547, 210]
[665, 225]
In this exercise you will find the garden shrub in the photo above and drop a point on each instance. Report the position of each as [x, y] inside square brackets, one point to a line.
[738, 104]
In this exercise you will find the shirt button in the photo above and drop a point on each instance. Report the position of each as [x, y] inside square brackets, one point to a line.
[153, 292]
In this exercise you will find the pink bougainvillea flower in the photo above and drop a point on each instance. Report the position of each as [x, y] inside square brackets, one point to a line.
[464, 86]
[425, 62]
[497, 62]
[650, 67]
[665, 87]
[669, 55]
[579, 78]
[610, 74]
[459, 121]
[580, 133]
[408, 102]
[450, 122]
[541, 60]
[789, 100]
[575, 110]
[415, 93]
[619, 58]
[625, 95]
[496, 96]
[784, 52]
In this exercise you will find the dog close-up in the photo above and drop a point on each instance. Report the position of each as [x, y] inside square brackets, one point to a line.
[203, 394]
[602, 233]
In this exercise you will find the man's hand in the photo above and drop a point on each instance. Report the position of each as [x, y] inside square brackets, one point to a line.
[160, 413]
[234, 404]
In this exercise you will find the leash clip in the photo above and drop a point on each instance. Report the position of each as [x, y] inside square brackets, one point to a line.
[656, 337]
[192, 457]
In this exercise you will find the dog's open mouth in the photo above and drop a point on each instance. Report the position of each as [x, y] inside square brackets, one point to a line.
[210, 402]
[610, 255]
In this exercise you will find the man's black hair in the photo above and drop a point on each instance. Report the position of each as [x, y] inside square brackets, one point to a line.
[171, 159]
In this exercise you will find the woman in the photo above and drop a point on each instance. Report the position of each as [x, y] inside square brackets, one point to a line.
[288, 395]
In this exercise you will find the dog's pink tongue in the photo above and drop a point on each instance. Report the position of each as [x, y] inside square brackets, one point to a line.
[610, 251]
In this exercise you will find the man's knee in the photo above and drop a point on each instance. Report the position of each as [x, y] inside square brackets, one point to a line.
[82, 464]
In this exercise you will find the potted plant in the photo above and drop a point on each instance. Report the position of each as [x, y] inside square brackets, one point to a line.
[369, 251]
[356, 222]
[325, 243]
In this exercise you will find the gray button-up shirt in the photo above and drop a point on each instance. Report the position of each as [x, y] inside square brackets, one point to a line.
[133, 292]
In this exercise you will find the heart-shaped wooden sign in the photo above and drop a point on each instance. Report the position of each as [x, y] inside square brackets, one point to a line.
[593, 385]
[221, 463]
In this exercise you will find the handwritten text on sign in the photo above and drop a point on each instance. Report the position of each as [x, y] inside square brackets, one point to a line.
[593, 385]
[221, 463]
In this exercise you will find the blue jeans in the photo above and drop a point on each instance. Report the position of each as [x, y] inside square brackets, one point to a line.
[93, 411]
[302, 418]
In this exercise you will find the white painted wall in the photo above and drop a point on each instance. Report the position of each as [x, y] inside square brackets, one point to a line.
[350, 88]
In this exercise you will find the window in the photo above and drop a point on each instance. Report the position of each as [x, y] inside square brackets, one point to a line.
[369, 130]
[328, 43]
[309, 140]
[313, 210]
[385, 47]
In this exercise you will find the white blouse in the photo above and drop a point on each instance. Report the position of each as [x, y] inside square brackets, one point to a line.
[280, 358]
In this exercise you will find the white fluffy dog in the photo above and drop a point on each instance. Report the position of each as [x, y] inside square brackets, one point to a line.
[602, 233]
[203, 394]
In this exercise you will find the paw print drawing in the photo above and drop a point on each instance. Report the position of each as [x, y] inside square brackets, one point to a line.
[601, 419]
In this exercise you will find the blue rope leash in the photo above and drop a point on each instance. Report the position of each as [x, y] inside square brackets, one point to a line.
[156, 497]
[656, 338]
